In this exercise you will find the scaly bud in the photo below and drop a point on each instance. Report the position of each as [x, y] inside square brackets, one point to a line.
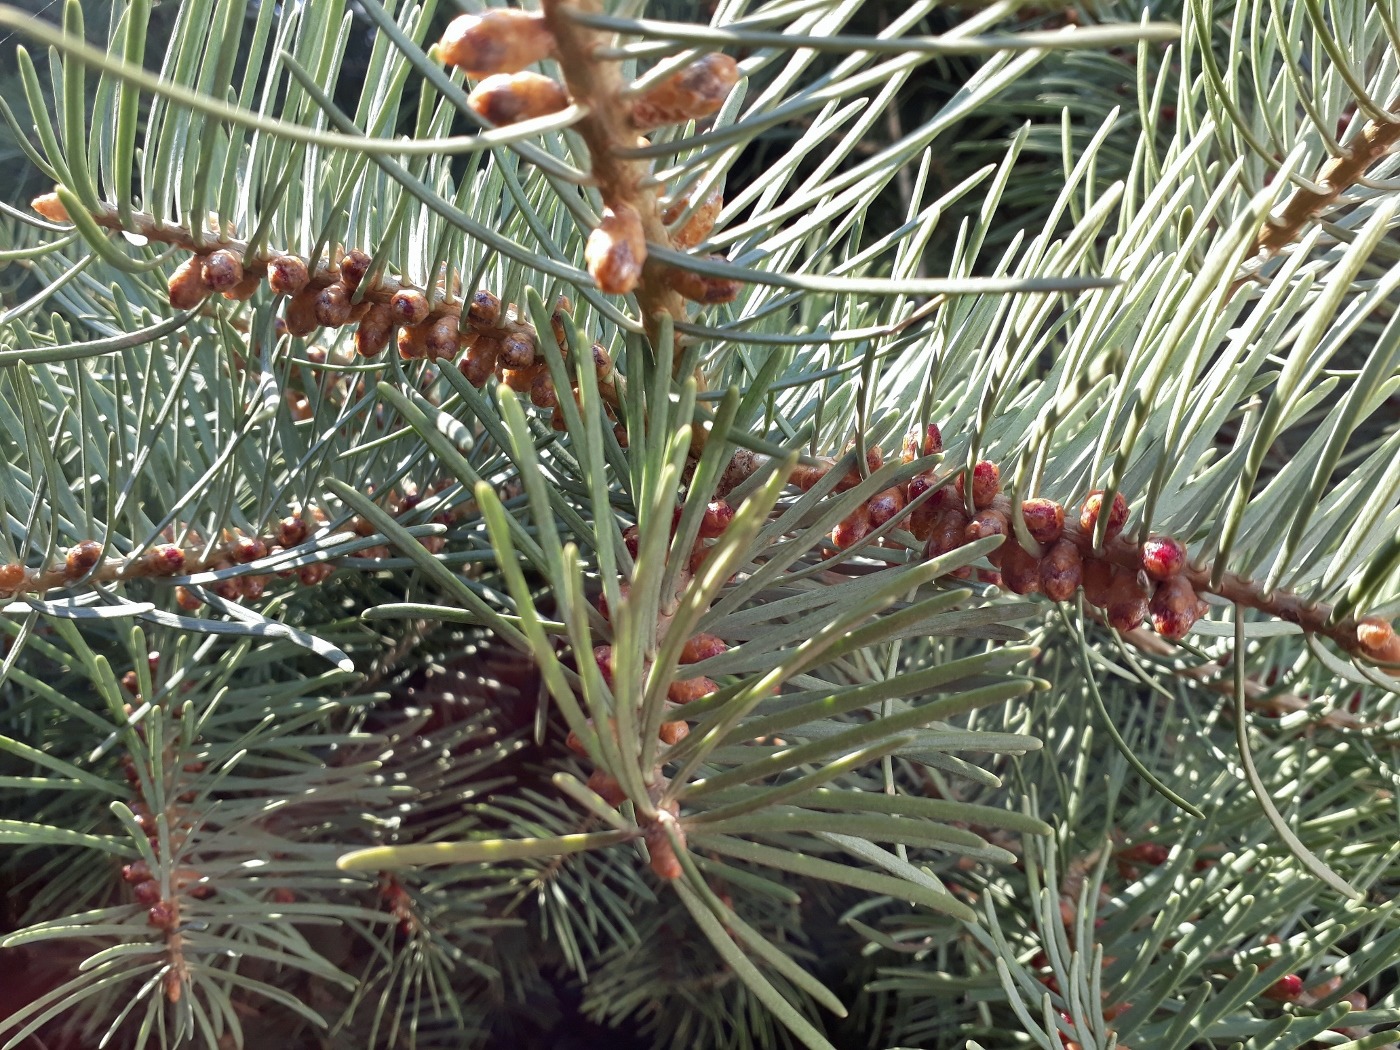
[700, 223]
[616, 250]
[1061, 571]
[287, 275]
[353, 268]
[1045, 519]
[187, 286]
[694, 92]
[1162, 557]
[222, 270]
[50, 207]
[705, 289]
[501, 40]
[1173, 608]
[508, 98]
[1093, 506]
[409, 306]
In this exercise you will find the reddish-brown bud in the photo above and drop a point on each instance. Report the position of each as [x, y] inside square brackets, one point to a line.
[949, 533]
[1117, 515]
[508, 98]
[82, 559]
[136, 871]
[1126, 607]
[243, 549]
[1153, 853]
[316, 572]
[50, 207]
[147, 892]
[718, 517]
[609, 788]
[353, 268]
[700, 223]
[186, 599]
[673, 732]
[409, 306]
[986, 483]
[517, 350]
[12, 578]
[701, 647]
[244, 289]
[300, 314]
[603, 657]
[291, 531]
[478, 364]
[413, 343]
[333, 306]
[1378, 640]
[287, 274]
[1099, 574]
[926, 516]
[694, 92]
[1286, 989]
[617, 249]
[485, 309]
[703, 288]
[1173, 608]
[933, 440]
[163, 915]
[542, 392]
[1162, 557]
[689, 689]
[222, 270]
[853, 528]
[187, 286]
[500, 40]
[372, 337]
[987, 523]
[884, 505]
[1061, 571]
[1020, 570]
[441, 339]
[1045, 519]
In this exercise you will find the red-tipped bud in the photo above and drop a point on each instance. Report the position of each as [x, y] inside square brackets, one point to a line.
[292, 531]
[82, 559]
[353, 268]
[701, 647]
[1061, 571]
[1173, 608]
[1045, 519]
[949, 533]
[932, 443]
[1162, 557]
[987, 523]
[986, 483]
[1286, 989]
[243, 549]
[501, 40]
[163, 915]
[1117, 515]
[694, 92]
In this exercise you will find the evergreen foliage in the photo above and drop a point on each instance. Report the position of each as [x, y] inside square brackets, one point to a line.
[558, 617]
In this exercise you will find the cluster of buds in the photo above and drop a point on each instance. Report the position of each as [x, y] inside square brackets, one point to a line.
[495, 47]
[1131, 581]
[238, 548]
[163, 911]
[661, 833]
